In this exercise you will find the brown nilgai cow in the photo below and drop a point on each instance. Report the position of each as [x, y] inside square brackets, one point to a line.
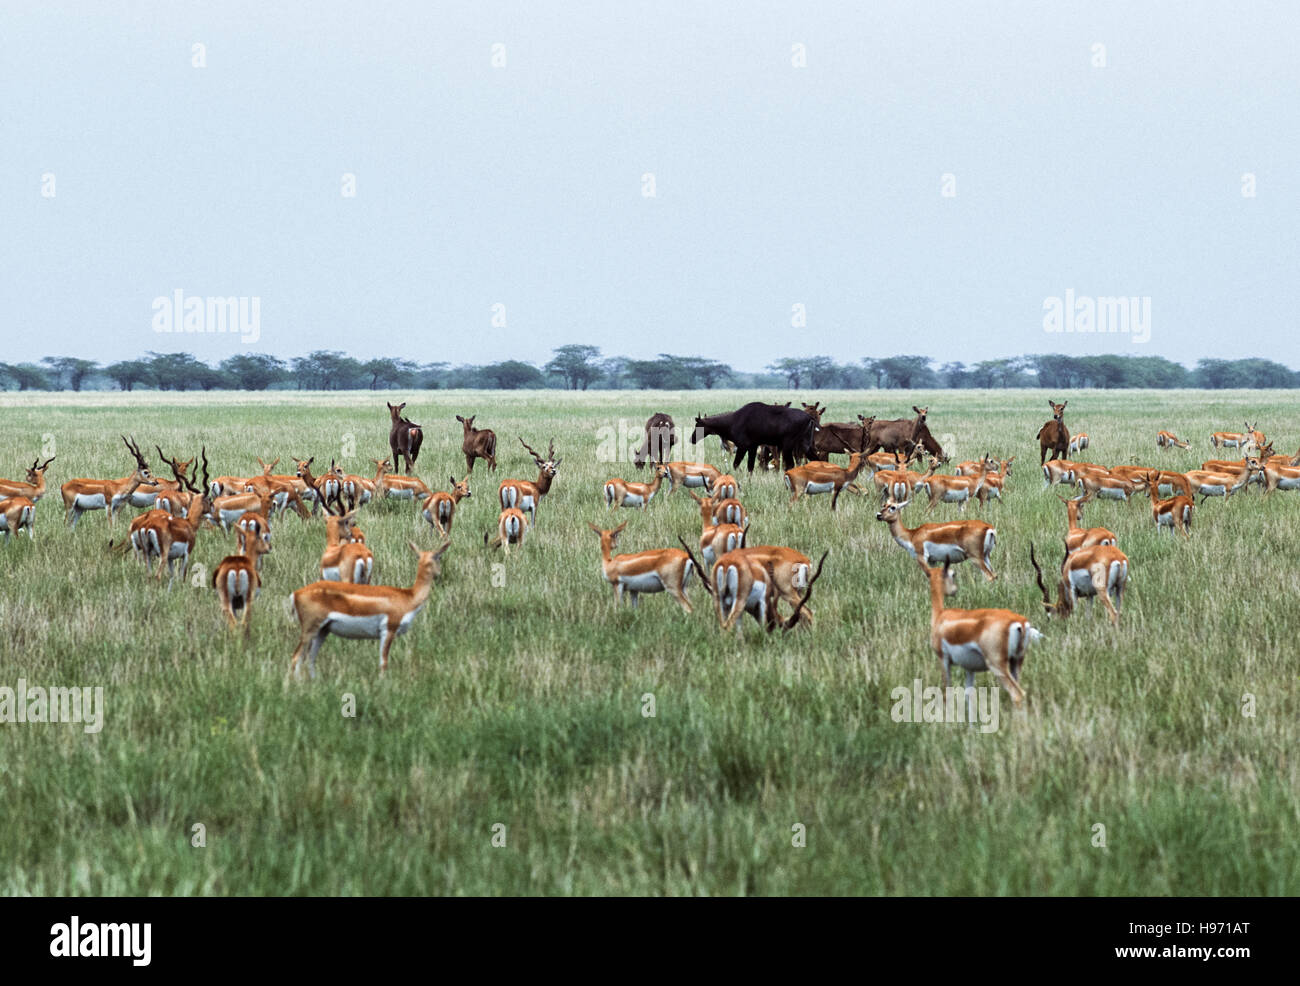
[660, 437]
[899, 435]
[478, 443]
[405, 437]
[1054, 435]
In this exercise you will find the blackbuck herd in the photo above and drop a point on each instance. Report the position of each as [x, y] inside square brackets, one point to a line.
[740, 577]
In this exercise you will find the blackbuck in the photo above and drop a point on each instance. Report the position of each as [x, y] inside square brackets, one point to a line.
[952, 489]
[227, 510]
[1059, 472]
[659, 570]
[789, 570]
[394, 487]
[824, 477]
[950, 542]
[717, 540]
[1207, 483]
[326, 488]
[718, 510]
[355, 491]
[17, 513]
[994, 482]
[477, 443]
[1284, 475]
[726, 487]
[83, 495]
[1173, 484]
[1099, 572]
[749, 580]
[169, 538]
[691, 476]
[1054, 437]
[1257, 439]
[440, 508]
[1078, 443]
[971, 466]
[898, 484]
[1076, 535]
[344, 559]
[523, 495]
[1167, 439]
[888, 461]
[621, 493]
[361, 612]
[404, 437]
[1174, 513]
[33, 488]
[238, 580]
[1230, 439]
[992, 640]
[1104, 484]
[512, 525]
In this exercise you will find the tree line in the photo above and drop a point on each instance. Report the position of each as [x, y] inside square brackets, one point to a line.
[580, 367]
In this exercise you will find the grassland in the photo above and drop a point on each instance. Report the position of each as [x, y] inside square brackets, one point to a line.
[521, 704]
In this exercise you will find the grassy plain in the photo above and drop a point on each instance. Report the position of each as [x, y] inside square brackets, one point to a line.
[521, 704]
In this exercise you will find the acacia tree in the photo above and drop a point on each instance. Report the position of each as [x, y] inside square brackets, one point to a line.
[576, 364]
[70, 369]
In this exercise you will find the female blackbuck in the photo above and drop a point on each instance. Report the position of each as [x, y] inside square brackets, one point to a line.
[1167, 439]
[83, 495]
[34, 486]
[691, 475]
[238, 579]
[992, 640]
[1230, 439]
[344, 558]
[326, 488]
[1054, 436]
[404, 437]
[1078, 443]
[789, 571]
[824, 477]
[1060, 472]
[994, 482]
[169, 538]
[662, 570]
[949, 543]
[512, 525]
[477, 443]
[725, 486]
[1173, 484]
[1107, 485]
[1256, 438]
[747, 581]
[1099, 572]
[884, 461]
[717, 510]
[16, 513]
[1207, 483]
[523, 495]
[717, 540]
[621, 493]
[1280, 475]
[1174, 513]
[439, 508]
[899, 484]
[953, 489]
[355, 491]
[227, 510]
[394, 487]
[1078, 536]
[361, 612]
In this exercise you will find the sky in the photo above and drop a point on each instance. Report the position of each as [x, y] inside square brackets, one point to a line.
[841, 179]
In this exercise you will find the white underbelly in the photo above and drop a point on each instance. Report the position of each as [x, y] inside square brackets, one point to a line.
[356, 627]
[966, 656]
[330, 574]
[89, 501]
[694, 481]
[819, 487]
[939, 553]
[143, 499]
[1081, 582]
[398, 494]
[646, 582]
[1218, 489]
[633, 500]
[955, 496]
[1288, 484]
[1108, 493]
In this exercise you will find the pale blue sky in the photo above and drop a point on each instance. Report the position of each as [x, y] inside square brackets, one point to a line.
[775, 185]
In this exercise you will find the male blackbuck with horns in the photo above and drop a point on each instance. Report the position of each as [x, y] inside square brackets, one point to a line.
[83, 495]
[992, 640]
[477, 443]
[404, 437]
[523, 495]
[170, 538]
[659, 570]
[361, 612]
[947, 543]
[34, 486]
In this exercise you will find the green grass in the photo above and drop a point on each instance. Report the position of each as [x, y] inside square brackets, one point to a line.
[520, 705]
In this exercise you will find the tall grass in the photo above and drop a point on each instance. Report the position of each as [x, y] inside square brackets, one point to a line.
[520, 704]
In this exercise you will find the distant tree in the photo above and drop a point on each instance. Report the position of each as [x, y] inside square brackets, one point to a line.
[653, 374]
[128, 373]
[177, 371]
[821, 372]
[27, 376]
[327, 369]
[255, 371]
[791, 368]
[905, 372]
[576, 365]
[389, 373]
[69, 370]
[433, 375]
[613, 371]
[513, 375]
[707, 372]
[954, 375]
